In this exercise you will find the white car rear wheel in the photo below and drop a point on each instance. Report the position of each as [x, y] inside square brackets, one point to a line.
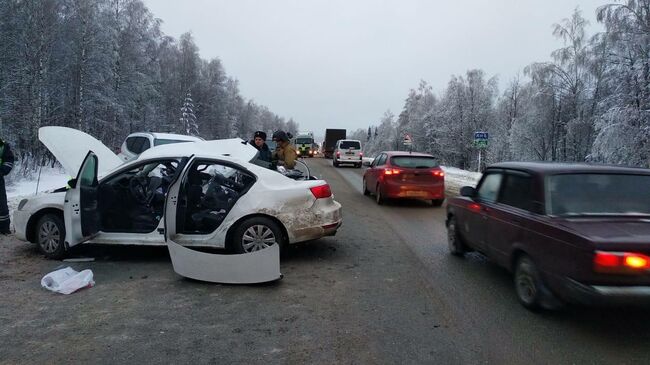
[256, 234]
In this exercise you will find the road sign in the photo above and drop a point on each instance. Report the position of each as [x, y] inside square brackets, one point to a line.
[481, 139]
[407, 140]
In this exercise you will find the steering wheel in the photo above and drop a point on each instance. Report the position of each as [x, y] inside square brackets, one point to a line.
[227, 182]
[140, 190]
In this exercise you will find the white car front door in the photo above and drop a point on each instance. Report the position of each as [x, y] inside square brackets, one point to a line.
[81, 216]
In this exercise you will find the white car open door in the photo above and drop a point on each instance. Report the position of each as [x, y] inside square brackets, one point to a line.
[80, 211]
[250, 268]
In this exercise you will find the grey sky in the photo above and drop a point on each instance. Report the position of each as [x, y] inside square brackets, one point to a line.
[343, 63]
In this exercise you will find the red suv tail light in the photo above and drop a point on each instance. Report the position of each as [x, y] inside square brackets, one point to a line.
[321, 191]
[621, 262]
[438, 173]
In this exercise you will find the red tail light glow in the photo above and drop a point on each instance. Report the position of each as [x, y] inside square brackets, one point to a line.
[360, 154]
[392, 171]
[338, 153]
[439, 173]
[620, 262]
[321, 191]
[474, 207]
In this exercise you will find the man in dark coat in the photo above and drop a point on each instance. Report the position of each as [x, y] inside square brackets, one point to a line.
[6, 164]
[259, 142]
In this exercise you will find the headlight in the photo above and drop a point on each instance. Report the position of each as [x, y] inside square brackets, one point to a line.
[22, 204]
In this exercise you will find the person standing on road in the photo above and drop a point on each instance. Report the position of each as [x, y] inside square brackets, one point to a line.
[259, 142]
[285, 153]
[6, 164]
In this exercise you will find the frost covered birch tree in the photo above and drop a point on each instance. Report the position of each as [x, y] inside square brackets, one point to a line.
[188, 119]
[105, 67]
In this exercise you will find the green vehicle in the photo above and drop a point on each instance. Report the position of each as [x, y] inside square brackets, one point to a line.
[304, 144]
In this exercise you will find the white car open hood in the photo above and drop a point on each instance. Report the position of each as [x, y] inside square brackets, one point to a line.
[70, 147]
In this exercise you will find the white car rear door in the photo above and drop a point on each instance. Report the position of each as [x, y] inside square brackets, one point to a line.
[256, 267]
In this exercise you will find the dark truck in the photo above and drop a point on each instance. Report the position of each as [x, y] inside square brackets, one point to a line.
[331, 137]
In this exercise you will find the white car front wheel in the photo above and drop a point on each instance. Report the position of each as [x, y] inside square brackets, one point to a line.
[50, 236]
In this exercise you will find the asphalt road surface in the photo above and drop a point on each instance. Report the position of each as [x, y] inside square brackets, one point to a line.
[383, 290]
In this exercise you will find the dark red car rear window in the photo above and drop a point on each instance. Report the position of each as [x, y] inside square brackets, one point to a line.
[414, 162]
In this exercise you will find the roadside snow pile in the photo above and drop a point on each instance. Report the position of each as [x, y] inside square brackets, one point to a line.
[456, 178]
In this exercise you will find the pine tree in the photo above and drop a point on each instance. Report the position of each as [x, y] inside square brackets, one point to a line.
[188, 119]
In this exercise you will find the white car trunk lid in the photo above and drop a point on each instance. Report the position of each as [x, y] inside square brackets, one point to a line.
[70, 147]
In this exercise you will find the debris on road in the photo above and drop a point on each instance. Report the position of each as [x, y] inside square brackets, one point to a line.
[67, 280]
[80, 259]
[249, 268]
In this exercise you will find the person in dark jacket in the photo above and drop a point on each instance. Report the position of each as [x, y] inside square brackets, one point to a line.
[259, 142]
[6, 164]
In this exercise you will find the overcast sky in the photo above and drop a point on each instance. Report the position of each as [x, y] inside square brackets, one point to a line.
[344, 63]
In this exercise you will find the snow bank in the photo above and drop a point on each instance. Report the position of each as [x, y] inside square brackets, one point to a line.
[456, 178]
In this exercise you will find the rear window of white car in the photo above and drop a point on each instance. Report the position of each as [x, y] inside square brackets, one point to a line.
[414, 162]
[350, 145]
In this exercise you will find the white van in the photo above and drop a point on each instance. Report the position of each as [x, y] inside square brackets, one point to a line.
[136, 143]
[348, 151]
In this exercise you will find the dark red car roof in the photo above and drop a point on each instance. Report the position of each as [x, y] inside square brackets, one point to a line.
[406, 153]
[550, 168]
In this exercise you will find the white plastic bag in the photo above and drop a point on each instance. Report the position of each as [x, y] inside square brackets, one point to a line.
[67, 281]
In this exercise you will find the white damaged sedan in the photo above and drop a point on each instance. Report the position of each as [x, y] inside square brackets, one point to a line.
[201, 194]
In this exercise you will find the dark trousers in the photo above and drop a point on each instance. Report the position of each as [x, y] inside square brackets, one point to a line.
[4, 209]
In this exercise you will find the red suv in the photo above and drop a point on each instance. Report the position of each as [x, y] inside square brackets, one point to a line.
[404, 175]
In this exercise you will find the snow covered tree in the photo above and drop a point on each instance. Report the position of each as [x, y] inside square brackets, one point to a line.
[188, 119]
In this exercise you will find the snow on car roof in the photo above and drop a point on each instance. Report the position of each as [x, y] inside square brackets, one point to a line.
[234, 148]
[177, 137]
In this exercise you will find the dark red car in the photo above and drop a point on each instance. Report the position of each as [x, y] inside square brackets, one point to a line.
[404, 175]
[570, 232]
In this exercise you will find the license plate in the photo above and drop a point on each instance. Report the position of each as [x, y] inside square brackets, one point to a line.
[349, 153]
[416, 193]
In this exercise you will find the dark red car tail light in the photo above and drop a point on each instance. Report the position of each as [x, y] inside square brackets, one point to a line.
[321, 191]
[392, 171]
[438, 173]
[621, 262]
